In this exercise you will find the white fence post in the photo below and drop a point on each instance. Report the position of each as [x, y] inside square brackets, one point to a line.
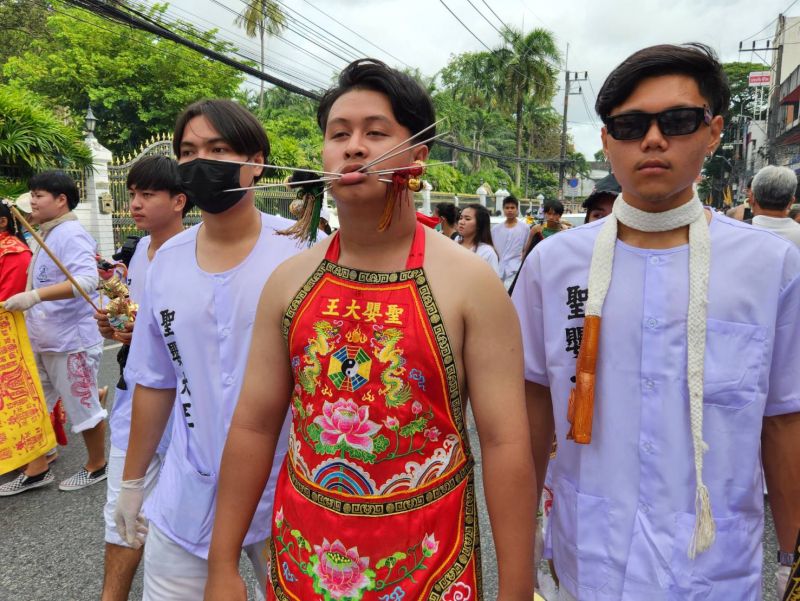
[97, 223]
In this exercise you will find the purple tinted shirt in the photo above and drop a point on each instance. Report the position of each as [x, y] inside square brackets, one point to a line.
[193, 333]
[64, 326]
[623, 512]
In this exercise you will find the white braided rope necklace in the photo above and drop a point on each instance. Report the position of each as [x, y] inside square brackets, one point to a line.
[693, 215]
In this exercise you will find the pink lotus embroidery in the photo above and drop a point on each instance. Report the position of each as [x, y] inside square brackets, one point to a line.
[344, 421]
[279, 518]
[432, 434]
[339, 571]
[429, 545]
[416, 407]
[391, 422]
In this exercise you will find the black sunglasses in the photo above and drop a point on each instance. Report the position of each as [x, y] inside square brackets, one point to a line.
[672, 122]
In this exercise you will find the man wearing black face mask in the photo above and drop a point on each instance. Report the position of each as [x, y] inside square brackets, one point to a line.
[193, 335]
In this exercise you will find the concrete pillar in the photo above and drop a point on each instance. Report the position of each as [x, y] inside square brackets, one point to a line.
[97, 223]
[426, 197]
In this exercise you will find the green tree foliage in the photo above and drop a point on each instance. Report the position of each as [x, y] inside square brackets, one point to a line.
[525, 70]
[21, 21]
[136, 83]
[261, 18]
[33, 138]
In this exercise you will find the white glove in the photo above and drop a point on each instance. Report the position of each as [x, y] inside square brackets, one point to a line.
[782, 580]
[22, 301]
[131, 523]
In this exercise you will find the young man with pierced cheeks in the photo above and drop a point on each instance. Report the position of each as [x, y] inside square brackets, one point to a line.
[157, 205]
[375, 338]
[685, 381]
[191, 338]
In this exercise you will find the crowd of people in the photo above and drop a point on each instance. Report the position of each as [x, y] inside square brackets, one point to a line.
[306, 403]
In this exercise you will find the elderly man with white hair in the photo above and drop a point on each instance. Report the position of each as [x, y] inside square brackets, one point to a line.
[773, 195]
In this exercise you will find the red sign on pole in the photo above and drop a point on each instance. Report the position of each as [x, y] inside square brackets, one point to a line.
[759, 78]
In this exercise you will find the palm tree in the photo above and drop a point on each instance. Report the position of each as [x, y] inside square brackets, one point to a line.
[260, 18]
[525, 70]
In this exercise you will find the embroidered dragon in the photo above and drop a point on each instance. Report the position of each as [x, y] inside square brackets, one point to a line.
[395, 389]
[309, 374]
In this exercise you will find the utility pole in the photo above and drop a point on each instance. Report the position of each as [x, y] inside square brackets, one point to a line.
[774, 108]
[570, 77]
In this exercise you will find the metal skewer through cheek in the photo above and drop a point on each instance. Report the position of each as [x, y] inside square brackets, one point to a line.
[285, 168]
[401, 151]
[284, 184]
[393, 169]
[396, 146]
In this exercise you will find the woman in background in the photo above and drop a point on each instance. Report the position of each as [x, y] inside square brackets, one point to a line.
[475, 234]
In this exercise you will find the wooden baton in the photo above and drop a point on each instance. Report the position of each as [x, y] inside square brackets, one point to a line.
[40, 241]
[580, 410]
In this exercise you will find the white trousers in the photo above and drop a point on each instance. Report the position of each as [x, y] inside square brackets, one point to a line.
[116, 461]
[171, 573]
[72, 377]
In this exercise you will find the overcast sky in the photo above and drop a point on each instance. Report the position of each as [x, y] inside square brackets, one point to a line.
[423, 34]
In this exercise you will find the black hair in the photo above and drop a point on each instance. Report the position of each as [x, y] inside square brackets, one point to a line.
[411, 104]
[749, 183]
[56, 183]
[483, 224]
[237, 126]
[553, 205]
[447, 211]
[511, 200]
[12, 228]
[157, 173]
[697, 61]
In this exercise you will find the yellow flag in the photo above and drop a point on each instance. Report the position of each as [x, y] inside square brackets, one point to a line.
[25, 428]
[727, 197]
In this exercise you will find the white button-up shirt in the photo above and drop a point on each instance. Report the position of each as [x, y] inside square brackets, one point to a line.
[193, 333]
[64, 326]
[623, 512]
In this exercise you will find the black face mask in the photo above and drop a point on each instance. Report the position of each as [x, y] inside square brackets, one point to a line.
[204, 182]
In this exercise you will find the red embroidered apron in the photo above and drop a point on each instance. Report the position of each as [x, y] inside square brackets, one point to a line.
[376, 499]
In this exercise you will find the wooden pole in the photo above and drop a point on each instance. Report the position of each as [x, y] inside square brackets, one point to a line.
[40, 241]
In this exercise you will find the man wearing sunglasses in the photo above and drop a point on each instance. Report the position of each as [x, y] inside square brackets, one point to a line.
[667, 378]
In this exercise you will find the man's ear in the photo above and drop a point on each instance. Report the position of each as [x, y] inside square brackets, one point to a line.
[421, 153]
[715, 130]
[257, 158]
[180, 201]
[62, 198]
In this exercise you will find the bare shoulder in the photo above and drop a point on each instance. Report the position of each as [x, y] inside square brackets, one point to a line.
[460, 271]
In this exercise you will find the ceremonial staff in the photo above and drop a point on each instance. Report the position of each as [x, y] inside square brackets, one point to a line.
[40, 241]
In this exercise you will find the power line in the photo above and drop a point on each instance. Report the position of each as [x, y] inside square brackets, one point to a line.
[252, 48]
[311, 40]
[455, 16]
[771, 22]
[492, 25]
[139, 21]
[359, 53]
[275, 66]
[357, 34]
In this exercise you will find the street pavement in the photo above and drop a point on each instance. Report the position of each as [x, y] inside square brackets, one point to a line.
[52, 541]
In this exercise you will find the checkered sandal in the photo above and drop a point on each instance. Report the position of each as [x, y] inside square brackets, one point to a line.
[83, 479]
